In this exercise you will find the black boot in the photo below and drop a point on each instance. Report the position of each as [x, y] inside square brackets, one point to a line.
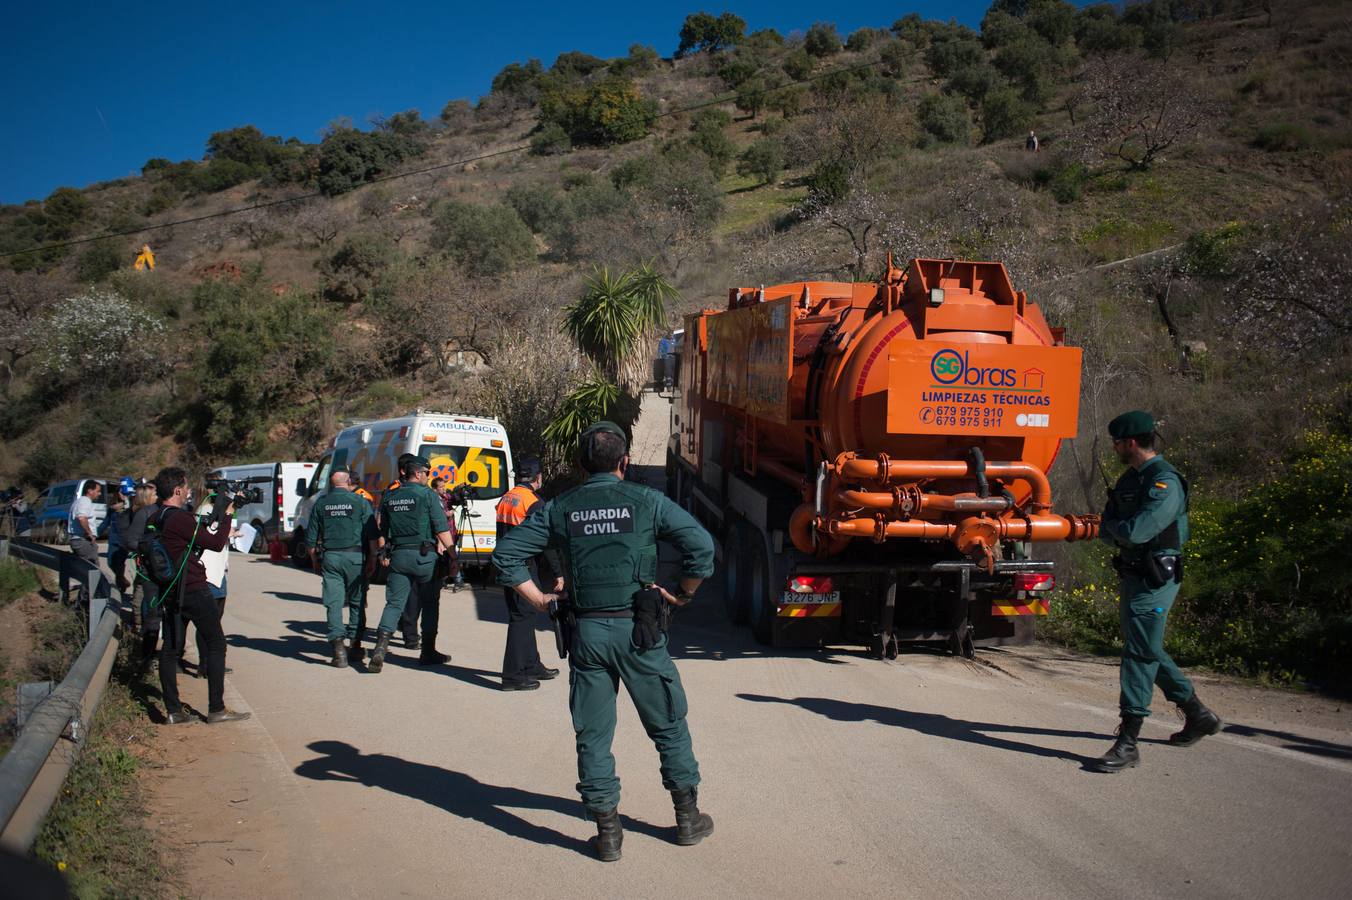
[1198, 723]
[1123, 754]
[339, 660]
[692, 826]
[378, 654]
[355, 653]
[609, 834]
[429, 655]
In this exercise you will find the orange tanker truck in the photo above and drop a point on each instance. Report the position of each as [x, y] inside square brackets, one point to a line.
[874, 457]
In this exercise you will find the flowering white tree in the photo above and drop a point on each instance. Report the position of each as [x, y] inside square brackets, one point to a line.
[99, 333]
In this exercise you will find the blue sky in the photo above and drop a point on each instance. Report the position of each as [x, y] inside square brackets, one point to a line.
[94, 89]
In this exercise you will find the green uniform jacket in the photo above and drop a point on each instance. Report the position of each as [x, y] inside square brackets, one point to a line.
[340, 519]
[411, 514]
[622, 536]
[1147, 511]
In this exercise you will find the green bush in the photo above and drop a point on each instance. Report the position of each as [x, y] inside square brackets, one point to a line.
[354, 271]
[822, 40]
[102, 259]
[612, 111]
[551, 140]
[863, 38]
[952, 47]
[764, 159]
[65, 208]
[1282, 137]
[16, 579]
[219, 175]
[895, 56]
[702, 31]
[349, 158]
[1217, 252]
[828, 183]
[1003, 114]
[944, 119]
[538, 205]
[710, 140]
[1065, 180]
[483, 240]
[798, 65]
[975, 81]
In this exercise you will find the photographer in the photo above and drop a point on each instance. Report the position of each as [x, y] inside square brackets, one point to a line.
[190, 598]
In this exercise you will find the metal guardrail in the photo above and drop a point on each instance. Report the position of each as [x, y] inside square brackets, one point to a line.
[32, 772]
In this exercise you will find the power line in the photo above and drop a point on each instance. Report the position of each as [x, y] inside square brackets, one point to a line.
[447, 165]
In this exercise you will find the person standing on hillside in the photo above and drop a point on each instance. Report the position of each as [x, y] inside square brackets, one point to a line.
[413, 525]
[80, 531]
[1146, 520]
[607, 531]
[522, 668]
[341, 536]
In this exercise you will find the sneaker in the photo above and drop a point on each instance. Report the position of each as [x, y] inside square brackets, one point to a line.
[226, 715]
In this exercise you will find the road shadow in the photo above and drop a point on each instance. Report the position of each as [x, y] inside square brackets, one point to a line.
[292, 595]
[1300, 743]
[481, 678]
[304, 648]
[455, 792]
[935, 725]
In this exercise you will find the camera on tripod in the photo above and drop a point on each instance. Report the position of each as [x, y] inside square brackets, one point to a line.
[239, 492]
[461, 495]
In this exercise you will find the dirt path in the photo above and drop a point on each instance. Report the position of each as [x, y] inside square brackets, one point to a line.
[826, 772]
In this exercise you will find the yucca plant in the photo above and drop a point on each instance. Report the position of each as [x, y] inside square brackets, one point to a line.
[596, 398]
[615, 322]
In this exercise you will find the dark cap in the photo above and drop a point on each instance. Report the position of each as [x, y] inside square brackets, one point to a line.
[412, 460]
[1130, 424]
[527, 467]
[607, 427]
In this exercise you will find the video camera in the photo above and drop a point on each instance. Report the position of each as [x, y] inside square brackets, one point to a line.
[239, 492]
[461, 495]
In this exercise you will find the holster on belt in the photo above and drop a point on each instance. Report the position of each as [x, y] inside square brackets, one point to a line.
[565, 622]
[649, 620]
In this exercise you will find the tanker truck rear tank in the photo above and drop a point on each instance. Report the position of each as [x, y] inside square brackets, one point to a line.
[873, 457]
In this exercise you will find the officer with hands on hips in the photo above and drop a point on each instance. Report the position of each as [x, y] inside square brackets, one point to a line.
[606, 531]
[341, 535]
[1146, 519]
[413, 525]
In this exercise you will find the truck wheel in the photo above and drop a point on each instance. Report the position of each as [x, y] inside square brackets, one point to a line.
[300, 554]
[756, 578]
[734, 562]
[260, 544]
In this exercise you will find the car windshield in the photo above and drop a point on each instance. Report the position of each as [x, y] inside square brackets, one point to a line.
[480, 467]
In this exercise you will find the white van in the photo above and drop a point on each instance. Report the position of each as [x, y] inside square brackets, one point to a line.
[466, 449]
[284, 485]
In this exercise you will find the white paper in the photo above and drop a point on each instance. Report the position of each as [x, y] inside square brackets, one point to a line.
[243, 541]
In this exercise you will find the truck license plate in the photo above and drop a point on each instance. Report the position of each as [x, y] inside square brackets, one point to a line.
[794, 597]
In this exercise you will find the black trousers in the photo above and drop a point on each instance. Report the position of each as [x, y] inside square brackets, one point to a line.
[201, 609]
[521, 659]
[424, 600]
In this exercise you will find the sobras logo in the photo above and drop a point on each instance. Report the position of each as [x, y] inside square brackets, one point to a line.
[951, 367]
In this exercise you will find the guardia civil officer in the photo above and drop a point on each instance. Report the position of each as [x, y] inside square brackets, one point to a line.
[1146, 519]
[607, 530]
[341, 534]
[413, 526]
[355, 653]
[522, 669]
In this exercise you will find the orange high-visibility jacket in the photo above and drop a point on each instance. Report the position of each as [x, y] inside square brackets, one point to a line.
[515, 505]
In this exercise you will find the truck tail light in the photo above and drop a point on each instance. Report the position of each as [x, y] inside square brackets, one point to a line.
[807, 584]
[1034, 581]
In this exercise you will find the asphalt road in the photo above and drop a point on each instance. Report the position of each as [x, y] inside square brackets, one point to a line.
[827, 774]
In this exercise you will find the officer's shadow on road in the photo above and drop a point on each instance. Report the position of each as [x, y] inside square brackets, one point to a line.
[307, 644]
[455, 792]
[292, 595]
[985, 734]
[1297, 742]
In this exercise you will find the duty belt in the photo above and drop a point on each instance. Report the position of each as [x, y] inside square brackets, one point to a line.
[417, 544]
[353, 549]
[604, 613]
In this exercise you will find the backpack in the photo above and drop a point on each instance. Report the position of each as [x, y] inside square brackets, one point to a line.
[156, 562]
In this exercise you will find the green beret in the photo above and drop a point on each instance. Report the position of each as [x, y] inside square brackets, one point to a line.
[602, 426]
[409, 460]
[1130, 424]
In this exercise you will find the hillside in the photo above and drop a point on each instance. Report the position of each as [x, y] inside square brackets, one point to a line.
[1185, 219]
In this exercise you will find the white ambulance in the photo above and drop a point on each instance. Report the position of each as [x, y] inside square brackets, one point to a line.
[463, 449]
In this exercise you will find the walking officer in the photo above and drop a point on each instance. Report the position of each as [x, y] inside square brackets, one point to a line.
[606, 531]
[341, 533]
[413, 525]
[356, 653]
[522, 669]
[1147, 521]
